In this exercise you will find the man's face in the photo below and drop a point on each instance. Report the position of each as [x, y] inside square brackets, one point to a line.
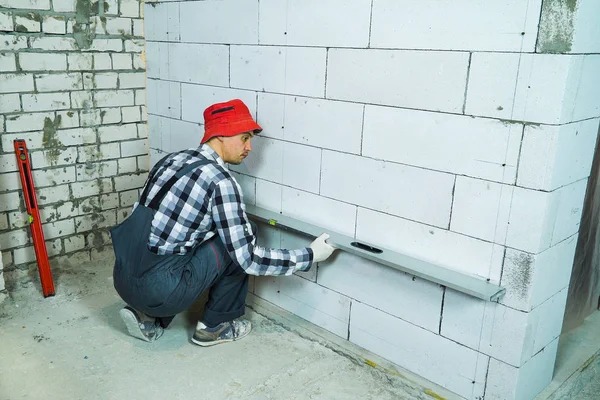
[236, 148]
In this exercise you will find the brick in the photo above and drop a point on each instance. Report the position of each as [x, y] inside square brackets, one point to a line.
[481, 209]
[9, 201]
[431, 25]
[16, 83]
[26, 4]
[53, 157]
[134, 46]
[121, 61]
[54, 24]
[321, 306]
[102, 61]
[98, 152]
[134, 147]
[144, 113]
[7, 62]
[438, 246]
[265, 162]
[80, 62]
[97, 203]
[43, 62]
[9, 103]
[7, 258]
[211, 24]
[336, 24]
[163, 22]
[112, 7]
[140, 97]
[67, 119]
[58, 82]
[132, 80]
[418, 76]
[411, 196]
[62, 211]
[6, 22]
[507, 382]
[138, 27]
[139, 61]
[3, 226]
[130, 8]
[420, 351]
[128, 198]
[12, 239]
[54, 43]
[34, 140]
[27, 122]
[74, 243]
[95, 221]
[553, 156]
[291, 70]
[131, 114]
[90, 117]
[75, 137]
[143, 130]
[128, 182]
[191, 68]
[195, 98]
[27, 23]
[92, 188]
[532, 279]
[143, 163]
[64, 5]
[115, 26]
[45, 101]
[284, 117]
[59, 228]
[82, 99]
[15, 43]
[106, 45]
[127, 165]
[111, 115]
[96, 239]
[54, 176]
[18, 219]
[117, 133]
[114, 98]
[110, 200]
[106, 80]
[52, 194]
[91, 171]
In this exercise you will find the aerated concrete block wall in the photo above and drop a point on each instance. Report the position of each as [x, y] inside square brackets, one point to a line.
[459, 132]
[72, 84]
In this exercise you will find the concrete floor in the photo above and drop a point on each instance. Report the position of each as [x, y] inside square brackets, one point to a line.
[74, 346]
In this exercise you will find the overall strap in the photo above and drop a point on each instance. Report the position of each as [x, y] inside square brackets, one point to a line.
[154, 203]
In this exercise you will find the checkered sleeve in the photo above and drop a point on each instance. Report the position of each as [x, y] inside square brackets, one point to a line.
[233, 226]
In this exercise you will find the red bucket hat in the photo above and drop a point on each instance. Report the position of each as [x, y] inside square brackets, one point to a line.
[228, 119]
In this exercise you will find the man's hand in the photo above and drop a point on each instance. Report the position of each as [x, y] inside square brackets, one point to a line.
[321, 250]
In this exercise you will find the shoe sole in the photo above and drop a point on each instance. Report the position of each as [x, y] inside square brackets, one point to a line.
[132, 325]
[215, 342]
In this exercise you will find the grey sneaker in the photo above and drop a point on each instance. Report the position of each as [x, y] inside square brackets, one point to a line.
[139, 325]
[224, 332]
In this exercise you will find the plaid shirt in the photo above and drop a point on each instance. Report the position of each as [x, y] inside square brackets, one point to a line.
[208, 201]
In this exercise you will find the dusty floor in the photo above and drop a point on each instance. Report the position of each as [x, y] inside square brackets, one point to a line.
[74, 346]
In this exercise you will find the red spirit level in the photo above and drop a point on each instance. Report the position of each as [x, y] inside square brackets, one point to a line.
[34, 217]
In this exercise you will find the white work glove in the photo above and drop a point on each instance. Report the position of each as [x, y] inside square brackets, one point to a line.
[321, 250]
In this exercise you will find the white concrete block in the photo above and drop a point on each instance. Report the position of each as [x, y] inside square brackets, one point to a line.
[265, 161]
[180, 135]
[582, 99]
[416, 193]
[17, 83]
[413, 300]
[481, 209]
[433, 357]
[477, 147]
[301, 167]
[268, 236]
[530, 226]
[549, 320]
[316, 304]
[586, 33]
[196, 98]
[289, 70]
[10, 103]
[54, 176]
[134, 148]
[248, 185]
[45, 101]
[506, 382]
[228, 22]
[121, 61]
[418, 77]
[28, 122]
[269, 195]
[114, 98]
[292, 240]
[157, 60]
[567, 204]
[7, 62]
[329, 124]
[117, 133]
[132, 80]
[425, 242]
[165, 98]
[56, 82]
[553, 156]
[334, 23]
[54, 24]
[321, 211]
[80, 61]
[460, 25]
[188, 63]
[27, 23]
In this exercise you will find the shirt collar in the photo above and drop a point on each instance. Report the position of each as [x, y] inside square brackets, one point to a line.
[209, 152]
